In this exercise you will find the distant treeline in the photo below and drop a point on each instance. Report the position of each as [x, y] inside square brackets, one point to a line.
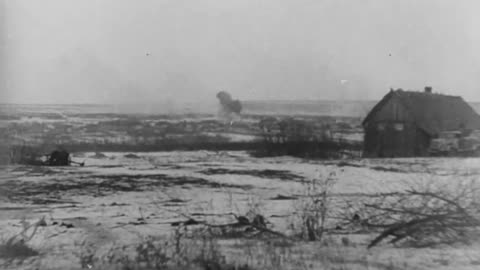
[15, 154]
[309, 149]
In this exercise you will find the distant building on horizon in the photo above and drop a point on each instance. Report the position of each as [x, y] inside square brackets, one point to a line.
[403, 123]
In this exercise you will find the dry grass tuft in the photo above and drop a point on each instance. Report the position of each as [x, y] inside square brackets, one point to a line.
[15, 248]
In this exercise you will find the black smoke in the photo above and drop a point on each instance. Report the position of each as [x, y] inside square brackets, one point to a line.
[228, 104]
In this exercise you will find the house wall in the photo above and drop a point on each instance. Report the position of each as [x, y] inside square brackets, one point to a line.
[391, 142]
[422, 143]
[392, 132]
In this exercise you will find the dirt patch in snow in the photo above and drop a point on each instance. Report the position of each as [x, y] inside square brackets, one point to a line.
[131, 156]
[281, 197]
[100, 185]
[270, 174]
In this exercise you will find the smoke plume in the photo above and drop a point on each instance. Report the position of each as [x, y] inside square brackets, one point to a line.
[230, 108]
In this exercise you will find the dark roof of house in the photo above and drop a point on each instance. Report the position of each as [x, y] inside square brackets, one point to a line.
[433, 112]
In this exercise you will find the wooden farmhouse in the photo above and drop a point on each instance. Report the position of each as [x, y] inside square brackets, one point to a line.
[403, 123]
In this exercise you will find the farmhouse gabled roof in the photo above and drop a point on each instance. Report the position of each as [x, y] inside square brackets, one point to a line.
[433, 112]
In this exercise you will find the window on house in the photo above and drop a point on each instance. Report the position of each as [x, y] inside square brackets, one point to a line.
[381, 126]
[398, 126]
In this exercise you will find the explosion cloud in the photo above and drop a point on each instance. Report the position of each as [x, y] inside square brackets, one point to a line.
[229, 107]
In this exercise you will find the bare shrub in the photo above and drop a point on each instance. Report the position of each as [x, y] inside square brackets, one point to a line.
[427, 215]
[177, 252]
[23, 154]
[148, 254]
[314, 207]
[296, 137]
[15, 247]
[86, 255]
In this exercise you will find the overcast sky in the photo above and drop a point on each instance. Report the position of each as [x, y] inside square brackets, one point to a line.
[148, 51]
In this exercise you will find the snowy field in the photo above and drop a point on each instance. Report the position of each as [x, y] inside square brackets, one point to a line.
[118, 198]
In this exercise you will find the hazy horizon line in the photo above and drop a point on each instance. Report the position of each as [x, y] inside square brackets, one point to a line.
[142, 103]
[250, 100]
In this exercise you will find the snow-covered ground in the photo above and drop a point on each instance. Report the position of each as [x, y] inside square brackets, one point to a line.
[121, 196]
